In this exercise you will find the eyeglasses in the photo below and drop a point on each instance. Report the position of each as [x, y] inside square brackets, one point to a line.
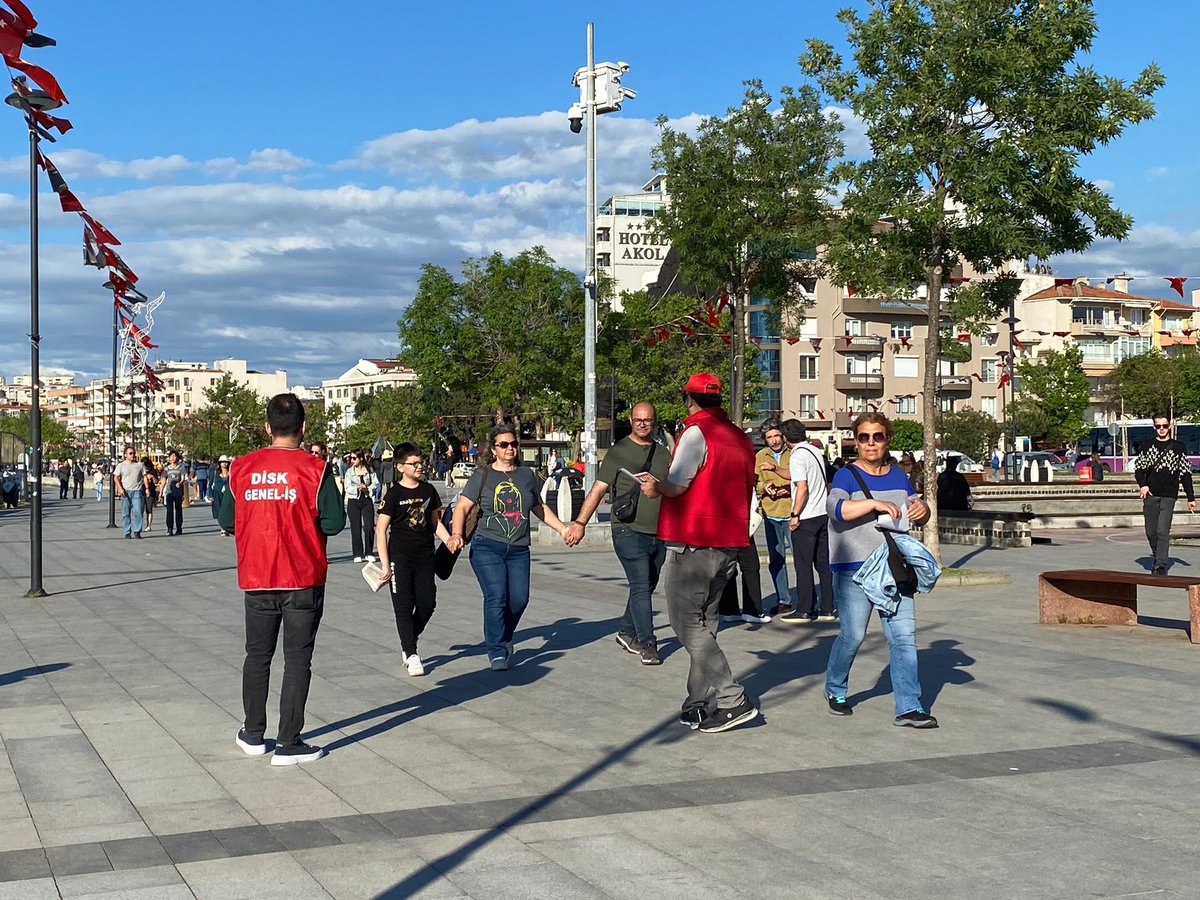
[415, 463]
[354, 457]
[1162, 426]
[505, 445]
[872, 437]
[642, 421]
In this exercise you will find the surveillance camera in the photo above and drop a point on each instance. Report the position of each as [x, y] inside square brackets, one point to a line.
[575, 117]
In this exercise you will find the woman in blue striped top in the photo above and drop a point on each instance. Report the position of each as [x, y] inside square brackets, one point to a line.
[853, 536]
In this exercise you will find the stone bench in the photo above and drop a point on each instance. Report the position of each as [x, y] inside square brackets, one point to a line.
[1104, 597]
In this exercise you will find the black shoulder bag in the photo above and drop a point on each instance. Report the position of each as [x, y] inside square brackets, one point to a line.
[902, 570]
[624, 508]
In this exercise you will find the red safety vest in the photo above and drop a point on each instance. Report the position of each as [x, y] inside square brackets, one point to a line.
[280, 545]
[715, 510]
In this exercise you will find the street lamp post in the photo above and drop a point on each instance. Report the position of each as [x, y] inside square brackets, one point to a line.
[600, 91]
[112, 425]
[27, 103]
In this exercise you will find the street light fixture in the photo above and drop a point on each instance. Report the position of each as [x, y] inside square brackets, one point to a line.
[600, 91]
[28, 103]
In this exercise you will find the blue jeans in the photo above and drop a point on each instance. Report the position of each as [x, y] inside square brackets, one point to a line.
[502, 571]
[131, 511]
[779, 538]
[642, 557]
[900, 630]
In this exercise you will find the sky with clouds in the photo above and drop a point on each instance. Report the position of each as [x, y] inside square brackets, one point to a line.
[284, 169]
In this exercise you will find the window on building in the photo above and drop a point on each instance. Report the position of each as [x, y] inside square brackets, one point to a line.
[1132, 346]
[989, 370]
[902, 329]
[806, 406]
[1139, 317]
[768, 402]
[855, 328]
[604, 260]
[187, 382]
[862, 363]
[1092, 315]
[768, 363]
[763, 323]
[810, 368]
[988, 405]
[856, 404]
[947, 367]
[906, 366]
[906, 406]
[1095, 349]
[603, 235]
[947, 404]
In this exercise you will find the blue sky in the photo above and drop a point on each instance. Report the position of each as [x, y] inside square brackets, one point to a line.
[283, 169]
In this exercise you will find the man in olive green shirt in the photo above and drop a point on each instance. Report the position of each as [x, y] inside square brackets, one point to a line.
[636, 543]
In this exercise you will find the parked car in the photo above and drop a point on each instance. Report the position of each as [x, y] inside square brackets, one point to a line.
[1058, 464]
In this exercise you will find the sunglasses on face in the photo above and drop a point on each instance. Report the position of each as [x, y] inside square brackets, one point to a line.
[1162, 427]
[871, 437]
[505, 445]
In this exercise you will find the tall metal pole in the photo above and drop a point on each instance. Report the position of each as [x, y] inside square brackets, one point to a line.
[112, 427]
[35, 410]
[589, 280]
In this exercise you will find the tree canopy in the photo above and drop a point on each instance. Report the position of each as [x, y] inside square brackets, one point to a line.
[749, 202]
[1054, 383]
[977, 113]
[506, 331]
[1152, 383]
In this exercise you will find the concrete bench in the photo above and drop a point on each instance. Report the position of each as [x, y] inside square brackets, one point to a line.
[1103, 597]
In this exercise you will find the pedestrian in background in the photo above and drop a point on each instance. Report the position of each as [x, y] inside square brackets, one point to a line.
[1161, 466]
[360, 482]
[218, 486]
[174, 483]
[129, 481]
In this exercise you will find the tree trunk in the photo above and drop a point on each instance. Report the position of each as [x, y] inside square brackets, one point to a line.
[932, 399]
[739, 298]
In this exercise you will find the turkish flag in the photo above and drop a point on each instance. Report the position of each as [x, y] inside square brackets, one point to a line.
[41, 77]
[57, 182]
[23, 13]
[91, 249]
[68, 201]
[1176, 284]
[103, 235]
[48, 121]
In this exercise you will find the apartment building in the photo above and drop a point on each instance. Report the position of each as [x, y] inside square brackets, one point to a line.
[627, 250]
[366, 377]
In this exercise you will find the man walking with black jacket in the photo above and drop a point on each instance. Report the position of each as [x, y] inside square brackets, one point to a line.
[1161, 465]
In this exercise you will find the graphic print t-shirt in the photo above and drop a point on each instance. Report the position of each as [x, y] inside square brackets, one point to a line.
[505, 503]
[413, 522]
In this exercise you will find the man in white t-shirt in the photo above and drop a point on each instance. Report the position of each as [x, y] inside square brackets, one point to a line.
[809, 524]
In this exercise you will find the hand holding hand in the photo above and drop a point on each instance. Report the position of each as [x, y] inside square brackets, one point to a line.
[573, 535]
[455, 543]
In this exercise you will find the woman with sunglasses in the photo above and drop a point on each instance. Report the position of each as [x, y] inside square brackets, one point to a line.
[507, 493]
[853, 536]
[360, 483]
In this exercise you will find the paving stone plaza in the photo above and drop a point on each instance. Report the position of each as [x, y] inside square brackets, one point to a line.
[1066, 764]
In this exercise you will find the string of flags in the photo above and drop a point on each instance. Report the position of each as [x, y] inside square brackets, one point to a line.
[1176, 282]
[17, 24]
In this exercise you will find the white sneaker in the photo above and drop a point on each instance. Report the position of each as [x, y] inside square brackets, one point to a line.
[403, 657]
[359, 559]
[760, 620]
[414, 665]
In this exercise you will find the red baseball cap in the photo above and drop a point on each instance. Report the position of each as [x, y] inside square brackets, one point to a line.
[703, 383]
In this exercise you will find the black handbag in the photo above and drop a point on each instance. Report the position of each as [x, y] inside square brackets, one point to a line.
[443, 559]
[624, 508]
[902, 570]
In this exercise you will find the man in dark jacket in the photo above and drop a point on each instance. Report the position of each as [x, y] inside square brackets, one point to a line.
[1161, 465]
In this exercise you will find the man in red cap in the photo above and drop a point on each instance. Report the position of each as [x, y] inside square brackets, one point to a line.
[704, 518]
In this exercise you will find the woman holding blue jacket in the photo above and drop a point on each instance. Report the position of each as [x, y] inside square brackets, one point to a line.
[853, 537]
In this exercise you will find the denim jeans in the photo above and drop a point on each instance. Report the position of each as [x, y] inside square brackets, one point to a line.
[299, 613]
[1157, 513]
[779, 538]
[502, 571]
[900, 630]
[642, 557]
[99, 491]
[131, 511]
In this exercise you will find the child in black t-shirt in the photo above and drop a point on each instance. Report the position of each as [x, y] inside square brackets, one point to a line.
[411, 508]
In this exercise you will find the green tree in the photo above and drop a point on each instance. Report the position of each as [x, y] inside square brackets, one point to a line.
[57, 440]
[1149, 383]
[977, 113]
[1055, 383]
[1026, 417]
[316, 421]
[230, 422]
[509, 330]
[909, 434]
[748, 203]
[969, 431]
[396, 413]
[649, 366]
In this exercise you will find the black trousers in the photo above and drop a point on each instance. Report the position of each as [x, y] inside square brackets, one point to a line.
[750, 566]
[174, 505]
[1157, 513]
[810, 550]
[77, 489]
[298, 613]
[62, 489]
[361, 513]
[414, 598]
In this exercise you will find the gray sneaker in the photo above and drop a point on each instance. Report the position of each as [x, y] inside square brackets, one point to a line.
[797, 618]
[629, 642]
[650, 655]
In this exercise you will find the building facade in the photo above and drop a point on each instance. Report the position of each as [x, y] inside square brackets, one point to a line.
[366, 377]
[627, 250]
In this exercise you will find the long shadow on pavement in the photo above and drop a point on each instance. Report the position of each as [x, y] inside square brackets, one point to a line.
[1082, 714]
[7, 678]
[939, 664]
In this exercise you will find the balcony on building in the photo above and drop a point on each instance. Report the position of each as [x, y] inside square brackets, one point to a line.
[860, 343]
[958, 384]
[813, 422]
[858, 383]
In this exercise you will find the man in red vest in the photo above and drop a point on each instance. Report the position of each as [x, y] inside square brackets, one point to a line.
[281, 505]
[704, 518]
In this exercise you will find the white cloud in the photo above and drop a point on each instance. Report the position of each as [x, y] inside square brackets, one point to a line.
[1158, 172]
[1104, 184]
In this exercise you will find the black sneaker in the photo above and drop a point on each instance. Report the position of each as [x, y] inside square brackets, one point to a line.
[296, 753]
[1159, 570]
[916, 718]
[839, 707]
[250, 746]
[692, 718]
[795, 617]
[629, 643]
[724, 719]
[138, 535]
[650, 655]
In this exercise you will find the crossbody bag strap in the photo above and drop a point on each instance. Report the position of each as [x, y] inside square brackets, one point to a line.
[888, 538]
[612, 488]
